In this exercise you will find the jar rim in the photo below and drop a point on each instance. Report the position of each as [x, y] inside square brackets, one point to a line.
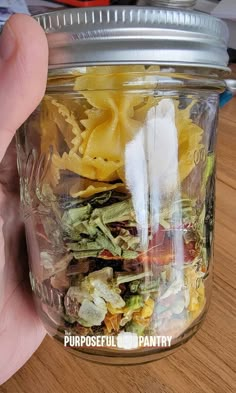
[138, 78]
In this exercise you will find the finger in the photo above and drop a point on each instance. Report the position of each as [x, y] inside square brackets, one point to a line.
[23, 73]
[9, 177]
[20, 333]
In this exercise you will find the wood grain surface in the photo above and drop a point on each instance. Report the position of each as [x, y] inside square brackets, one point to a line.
[207, 363]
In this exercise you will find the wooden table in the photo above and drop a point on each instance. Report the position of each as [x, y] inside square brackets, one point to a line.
[207, 363]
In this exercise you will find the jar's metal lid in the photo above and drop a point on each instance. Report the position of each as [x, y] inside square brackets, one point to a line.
[134, 35]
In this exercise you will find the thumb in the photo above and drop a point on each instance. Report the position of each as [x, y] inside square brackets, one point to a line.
[23, 74]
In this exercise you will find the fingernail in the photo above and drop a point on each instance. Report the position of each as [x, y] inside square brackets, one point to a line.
[7, 42]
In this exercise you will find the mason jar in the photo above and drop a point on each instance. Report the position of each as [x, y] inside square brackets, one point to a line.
[117, 176]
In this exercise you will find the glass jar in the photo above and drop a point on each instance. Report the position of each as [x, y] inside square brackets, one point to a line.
[117, 175]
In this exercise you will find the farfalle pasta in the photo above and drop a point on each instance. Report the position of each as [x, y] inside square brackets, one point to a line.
[96, 132]
[89, 188]
[117, 128]
[92, 168]
[187, 146]
[62, 124]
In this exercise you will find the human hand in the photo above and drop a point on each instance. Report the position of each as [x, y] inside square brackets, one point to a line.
[23, 73]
